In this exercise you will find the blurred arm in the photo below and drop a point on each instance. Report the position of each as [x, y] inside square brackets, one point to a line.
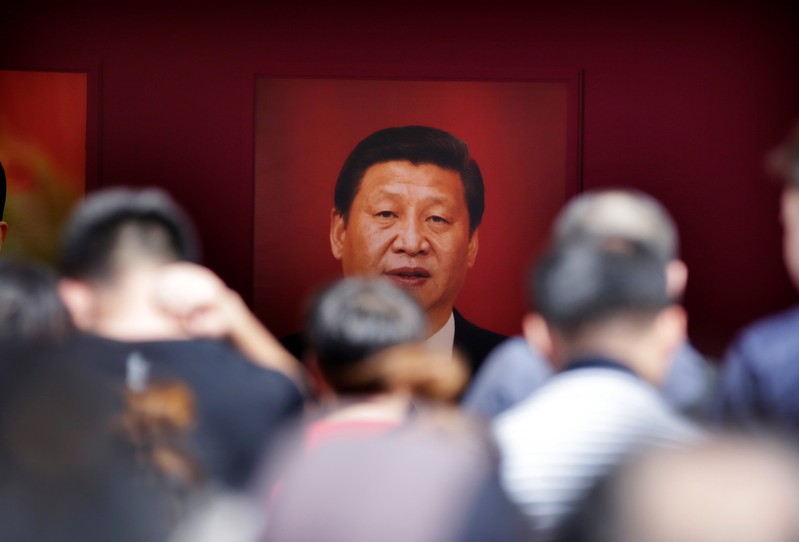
[206, 307]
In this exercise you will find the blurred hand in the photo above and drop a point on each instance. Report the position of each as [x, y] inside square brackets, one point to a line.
[199, 299]
[204, 306]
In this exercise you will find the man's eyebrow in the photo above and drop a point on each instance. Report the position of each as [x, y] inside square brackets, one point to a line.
[386, 193]
[433, 200]
[440, 201]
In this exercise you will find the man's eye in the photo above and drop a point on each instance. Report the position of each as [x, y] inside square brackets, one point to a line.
[385, 214]
[438, 219]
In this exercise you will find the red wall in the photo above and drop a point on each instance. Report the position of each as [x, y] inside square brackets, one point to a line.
[681, 101]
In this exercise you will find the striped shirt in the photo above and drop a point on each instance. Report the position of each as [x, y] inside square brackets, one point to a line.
[556, 444]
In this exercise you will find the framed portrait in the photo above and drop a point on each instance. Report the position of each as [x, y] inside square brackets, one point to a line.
[48, 148]
[523, 133]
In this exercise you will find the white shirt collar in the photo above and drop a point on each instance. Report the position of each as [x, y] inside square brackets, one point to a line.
[444, 338]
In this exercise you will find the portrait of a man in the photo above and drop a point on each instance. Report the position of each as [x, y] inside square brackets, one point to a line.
[379, 177]
[408, 205]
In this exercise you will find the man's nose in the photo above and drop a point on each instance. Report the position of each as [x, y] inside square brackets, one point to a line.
[411, 238]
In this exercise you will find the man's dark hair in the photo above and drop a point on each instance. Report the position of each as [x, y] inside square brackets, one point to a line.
[355, 318]
[30, 308]
[619, 212]
[116, 227]
[418, 145]
[783, 161]
[2, 190]
[594, 279]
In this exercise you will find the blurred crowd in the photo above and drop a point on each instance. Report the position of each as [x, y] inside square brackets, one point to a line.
[142, 400]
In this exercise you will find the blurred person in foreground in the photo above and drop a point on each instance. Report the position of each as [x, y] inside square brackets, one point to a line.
[121, 264]
[390, 457]
[760, 370]
[366, 359]
[613, 329]
[518, 366]
[367, 383]
[729, 488]
[422, 485]
[67, 467]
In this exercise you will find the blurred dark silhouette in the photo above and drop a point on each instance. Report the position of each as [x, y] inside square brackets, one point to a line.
[67, 470]
[759, 375]
[30, 308]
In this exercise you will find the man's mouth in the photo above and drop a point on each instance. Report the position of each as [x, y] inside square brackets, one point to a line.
[408, 276]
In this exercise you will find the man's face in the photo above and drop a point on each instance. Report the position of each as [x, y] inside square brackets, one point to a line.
[411, 224]
[790, 239]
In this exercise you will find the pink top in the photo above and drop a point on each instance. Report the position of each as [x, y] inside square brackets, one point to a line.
[325, 430]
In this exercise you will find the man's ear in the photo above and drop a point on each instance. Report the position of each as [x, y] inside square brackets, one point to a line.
[80, 302]
[473, 246]
[3, 231]
[537, 334]
[338, 232]
[676, 278]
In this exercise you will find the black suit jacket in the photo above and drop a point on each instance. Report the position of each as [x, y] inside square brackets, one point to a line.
[473, 342]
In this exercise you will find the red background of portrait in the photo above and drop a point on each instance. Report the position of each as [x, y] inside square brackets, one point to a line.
[305, 128]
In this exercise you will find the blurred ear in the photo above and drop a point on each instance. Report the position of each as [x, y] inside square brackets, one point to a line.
[789, 214]
[338, 232]
[80, 302]
[3, 231]
[537, 334]
[676, 278]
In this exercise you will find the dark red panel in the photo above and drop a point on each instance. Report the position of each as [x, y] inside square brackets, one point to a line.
[681, 100]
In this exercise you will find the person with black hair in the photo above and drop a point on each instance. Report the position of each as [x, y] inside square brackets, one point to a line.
[355, 318]
[365, 352]
[67, 467]
[118, 248]
[408, 205]
[30, 308]
[519, 365]
[613, 328]
[390, 457]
